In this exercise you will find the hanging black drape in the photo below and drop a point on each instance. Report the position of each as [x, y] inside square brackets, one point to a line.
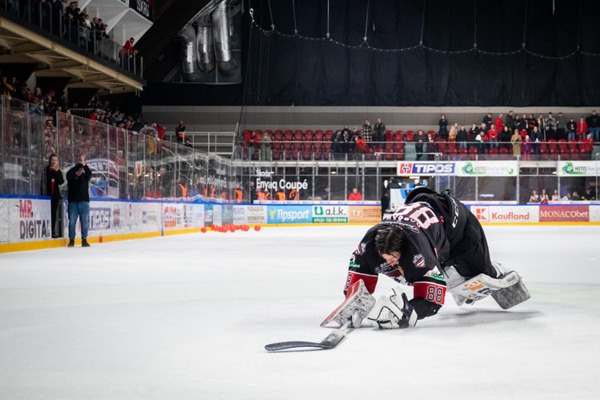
[416, 53]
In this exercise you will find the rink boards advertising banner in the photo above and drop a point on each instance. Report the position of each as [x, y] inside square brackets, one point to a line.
[495, 214]
[24, 220]
[329, 214]
[364, 214]
[552, 213]
[458, 168]
[578, 168]
[486, 168]
[289, 215]
[249, 215]
[27, 219]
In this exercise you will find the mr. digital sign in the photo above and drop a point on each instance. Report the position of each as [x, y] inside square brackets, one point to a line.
[425, 168]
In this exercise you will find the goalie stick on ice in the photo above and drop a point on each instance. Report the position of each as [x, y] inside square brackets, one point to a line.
[332, 340]
[349, 314]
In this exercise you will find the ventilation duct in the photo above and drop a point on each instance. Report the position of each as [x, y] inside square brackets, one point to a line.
[222, 33]
[206, 38]
[189, 54]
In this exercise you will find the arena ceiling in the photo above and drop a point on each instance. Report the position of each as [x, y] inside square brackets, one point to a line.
[170, 16]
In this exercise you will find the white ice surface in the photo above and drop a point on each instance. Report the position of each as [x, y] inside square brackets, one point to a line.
[187, 317]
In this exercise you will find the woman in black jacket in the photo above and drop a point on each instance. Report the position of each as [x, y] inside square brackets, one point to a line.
[54, 178]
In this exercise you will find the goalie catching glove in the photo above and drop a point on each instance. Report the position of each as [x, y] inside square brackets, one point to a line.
[393, 311]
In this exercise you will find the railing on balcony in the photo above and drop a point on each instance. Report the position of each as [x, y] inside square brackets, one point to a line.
[73, 31]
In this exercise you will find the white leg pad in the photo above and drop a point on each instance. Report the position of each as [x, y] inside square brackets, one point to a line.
[508, 291]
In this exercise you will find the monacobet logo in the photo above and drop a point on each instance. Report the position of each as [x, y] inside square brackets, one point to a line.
[425, 168]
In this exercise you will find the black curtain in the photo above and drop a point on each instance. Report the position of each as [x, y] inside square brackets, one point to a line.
[416, 53]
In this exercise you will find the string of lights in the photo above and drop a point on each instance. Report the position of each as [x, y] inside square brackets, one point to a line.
[365, 44]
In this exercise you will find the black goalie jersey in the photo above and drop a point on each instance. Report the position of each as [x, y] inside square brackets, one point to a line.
[420, 260]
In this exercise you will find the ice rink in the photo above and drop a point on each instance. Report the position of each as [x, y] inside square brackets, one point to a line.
[187, 317]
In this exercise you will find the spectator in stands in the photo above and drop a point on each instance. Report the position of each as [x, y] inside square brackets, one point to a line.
[571, 129]
[181, 189]
[582, 128]
[488, 120]
[379, 133]
[366, 133]
[499, 123]
[555, 196]
[593, 123]
[78, 179]
[541, 127]
[544, 199]
[462, 137]
[179, 132]
[531, 122]
[526, 145]
[472, 134]
[575, 196]
[536, 139]
[493, 137]
[566, 197]
[443, 127]
[361, 146]
[6, 88]
[266, 145]
[188, 143]
[346, 139]
[561, 125]
[420, 140]
[509, 121]
[505, 137]
[589, 194]
[453, 132]
[54, 179]
[516, 140]
[355, 195]
[128, 49]
[479, 139]
[534, 198]
[336, 144]
[523, 124]
[550, 127]
[430, 146]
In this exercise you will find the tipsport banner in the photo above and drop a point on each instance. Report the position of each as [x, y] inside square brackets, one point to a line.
[458, 168]
[289, 215]
[419, 168]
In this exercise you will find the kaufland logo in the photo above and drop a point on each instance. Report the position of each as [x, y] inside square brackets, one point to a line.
[482, 213]
[425, 168]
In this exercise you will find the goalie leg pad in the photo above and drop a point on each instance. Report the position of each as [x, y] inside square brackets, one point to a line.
[393, 311]
[355, 307]
[512, 295]
[481, 286]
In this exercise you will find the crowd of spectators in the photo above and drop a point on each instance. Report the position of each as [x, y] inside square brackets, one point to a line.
[544, 198]
[522, 136]
[66, 19]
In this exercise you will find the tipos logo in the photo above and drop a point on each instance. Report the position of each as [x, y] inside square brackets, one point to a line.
[482, 213]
